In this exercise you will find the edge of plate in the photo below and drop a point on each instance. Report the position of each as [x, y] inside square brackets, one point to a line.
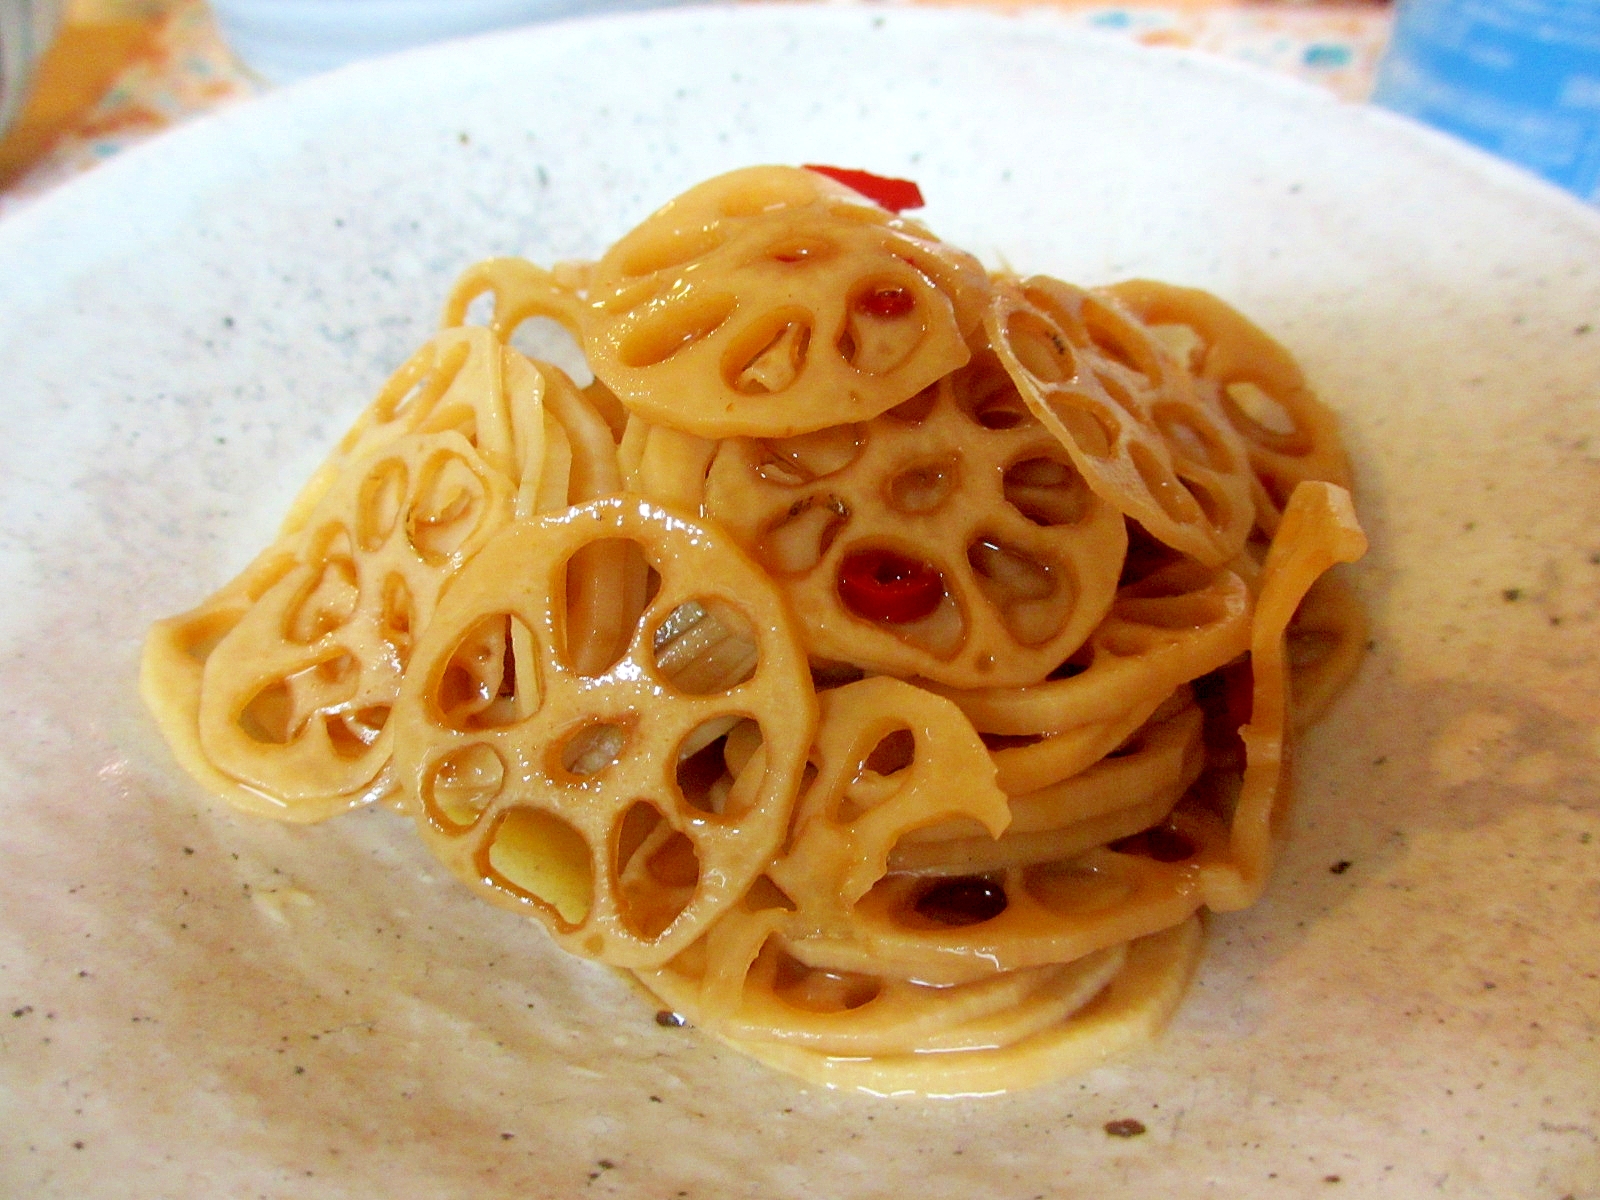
[48, 229]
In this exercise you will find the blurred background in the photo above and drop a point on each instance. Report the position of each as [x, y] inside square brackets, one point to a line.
[81, 80]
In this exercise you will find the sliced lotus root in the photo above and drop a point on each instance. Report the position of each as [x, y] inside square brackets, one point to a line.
[1128, 791]
[171, 672]
[1168, 628]
[295, 699]
[1290, 434]
[665, 464]
[624, 808]
[518, 290]
[977, 857]
[778, 999]
[1327, 641]
[1318, 529]
[290, 695]
[830, 1013]
[287, 698]
[772, 301]
[606, 582]
[954, 929]
[889, 758]
[454, 381]
[1127, 1012]
[1146, 440]
[950, 539]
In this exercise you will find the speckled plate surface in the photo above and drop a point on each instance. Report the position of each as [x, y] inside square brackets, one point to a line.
[194, 1003]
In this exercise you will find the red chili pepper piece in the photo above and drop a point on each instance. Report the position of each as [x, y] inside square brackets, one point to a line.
[883, 586]
[896, 195]
[887, 302]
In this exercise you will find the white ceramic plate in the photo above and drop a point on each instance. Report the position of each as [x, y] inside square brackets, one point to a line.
[194, 1003]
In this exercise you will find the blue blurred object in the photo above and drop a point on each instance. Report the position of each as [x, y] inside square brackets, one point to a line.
[1520, 78]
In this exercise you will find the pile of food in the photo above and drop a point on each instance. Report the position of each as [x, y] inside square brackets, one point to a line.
[883, 659]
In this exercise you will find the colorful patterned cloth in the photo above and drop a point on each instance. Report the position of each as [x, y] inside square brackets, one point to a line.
[185, 69]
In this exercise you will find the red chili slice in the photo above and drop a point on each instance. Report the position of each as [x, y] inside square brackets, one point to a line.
[896, 195]
[883, 586]
[888, 302]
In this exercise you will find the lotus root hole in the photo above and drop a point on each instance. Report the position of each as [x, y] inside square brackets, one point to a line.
[1214, 505]
[401, 404]
[327, 603]
[802, 537]
[941, 633]
[429, 385]
[1040, 348]
[802, 251]
[1047, 491]
[1176, 613]
[883, 327]
[1000, 410]
[653, 249]
[546, 340]
[657, 871]
[661, 333]
[795, 461]
[590, 749]
[1090, 427]
[1113, 339]
[478, 309]
[462, 784]
[705, 646]
[770, 354]
[924, 487]
[709, 762]
[1126, 641]
[397, 618]
[1076, 665]
[959, 902]
[351, 734]
[446, 510]
[1263, 412]
[1035, 599]
[814, 990]
[1162, 843]
[1074, 889]
[538, 856]
[269, 716]
[895, 751]
[1182, 342]
[490, 679]
[278, 713]
[764, 895]
[1012, 573]
[379, 504]
[1191, 439]
[1175, 500]
[602, 604]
